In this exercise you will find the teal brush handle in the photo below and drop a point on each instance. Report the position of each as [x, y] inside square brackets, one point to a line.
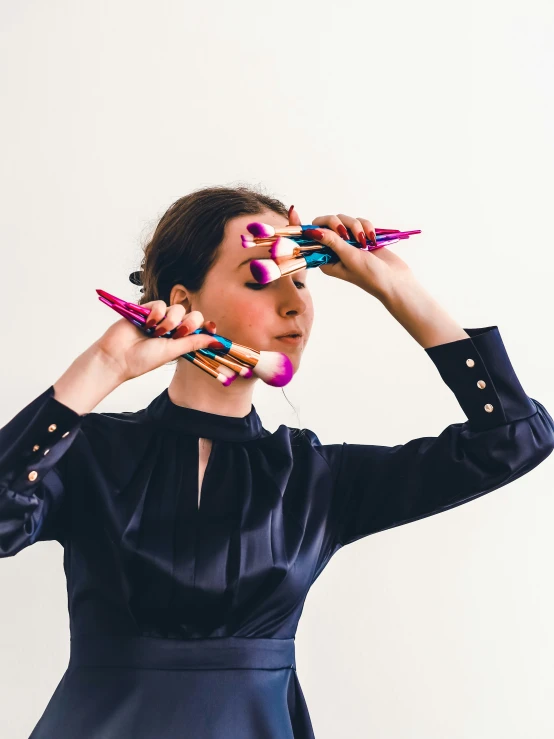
[322, 256]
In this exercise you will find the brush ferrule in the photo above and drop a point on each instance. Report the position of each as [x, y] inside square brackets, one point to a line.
[292, 265]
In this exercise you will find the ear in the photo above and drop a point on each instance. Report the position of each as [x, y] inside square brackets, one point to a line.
[180, 294]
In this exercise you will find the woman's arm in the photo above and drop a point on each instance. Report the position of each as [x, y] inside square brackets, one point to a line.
[507, 434]
[420, 314]
[32, 447]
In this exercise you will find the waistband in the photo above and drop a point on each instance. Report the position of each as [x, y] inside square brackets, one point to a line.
[217, 653]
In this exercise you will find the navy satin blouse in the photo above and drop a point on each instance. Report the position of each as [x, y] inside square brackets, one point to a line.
[183, 617]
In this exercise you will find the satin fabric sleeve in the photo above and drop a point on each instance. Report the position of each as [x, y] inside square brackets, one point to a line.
[32, 507]
[380, 487]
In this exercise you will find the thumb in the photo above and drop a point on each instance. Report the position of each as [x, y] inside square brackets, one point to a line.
[348, 255]
[294, 218]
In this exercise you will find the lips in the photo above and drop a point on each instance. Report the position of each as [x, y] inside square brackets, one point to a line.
[291, 333]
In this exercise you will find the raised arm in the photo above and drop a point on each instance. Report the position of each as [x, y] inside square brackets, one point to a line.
[506, 435]
[32, 447]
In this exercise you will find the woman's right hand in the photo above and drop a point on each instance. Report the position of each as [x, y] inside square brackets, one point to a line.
[132, 353]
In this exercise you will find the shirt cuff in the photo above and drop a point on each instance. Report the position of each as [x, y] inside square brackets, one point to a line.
[34, 440]
[480, 374]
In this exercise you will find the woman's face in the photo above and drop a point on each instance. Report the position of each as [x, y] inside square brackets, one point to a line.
[247, 312]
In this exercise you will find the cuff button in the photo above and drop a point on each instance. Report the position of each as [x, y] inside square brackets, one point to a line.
[52, 427]
[32, 475]
[36, 448]
[489, 408]
[66, 434]
[45, 452]
[481, 384]
[470, 362]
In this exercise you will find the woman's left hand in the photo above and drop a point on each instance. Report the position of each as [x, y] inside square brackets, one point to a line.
[374, 271]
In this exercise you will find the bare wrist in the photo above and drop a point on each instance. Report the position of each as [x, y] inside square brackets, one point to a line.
[88, 380]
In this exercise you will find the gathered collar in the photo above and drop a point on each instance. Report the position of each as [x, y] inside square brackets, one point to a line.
[165, 412]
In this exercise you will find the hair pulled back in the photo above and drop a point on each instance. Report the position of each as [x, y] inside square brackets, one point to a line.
[185, 242]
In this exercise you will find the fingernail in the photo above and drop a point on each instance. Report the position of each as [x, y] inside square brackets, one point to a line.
[149, 323]
[314, 233]
[343, 232]
[159, 332]
[215, 345]
[181, 330]
[361, 238]
[290, 210]
[210, 325]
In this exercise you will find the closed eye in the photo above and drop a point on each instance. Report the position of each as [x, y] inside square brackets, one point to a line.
[259, 286]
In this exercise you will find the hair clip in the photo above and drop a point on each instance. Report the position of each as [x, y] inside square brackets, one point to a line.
[136, 278]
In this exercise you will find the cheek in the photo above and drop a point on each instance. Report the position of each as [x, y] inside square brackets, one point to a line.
[236, 313]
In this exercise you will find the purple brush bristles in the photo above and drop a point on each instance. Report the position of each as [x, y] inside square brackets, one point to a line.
[264, 270]
[274, 368]
[260, 230]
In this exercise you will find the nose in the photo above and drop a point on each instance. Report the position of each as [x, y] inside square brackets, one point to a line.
[291, 301]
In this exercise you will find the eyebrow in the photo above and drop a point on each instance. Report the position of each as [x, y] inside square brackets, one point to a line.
[248, 260]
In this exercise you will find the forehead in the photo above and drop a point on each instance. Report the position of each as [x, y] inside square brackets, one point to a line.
[231, 251]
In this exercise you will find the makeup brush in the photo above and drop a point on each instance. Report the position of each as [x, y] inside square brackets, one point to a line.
[242, 369]
[274, 368]
[265, 230]
[285, 247]
[217, 365]
[224, 379]
[267, 270]
[248, 242]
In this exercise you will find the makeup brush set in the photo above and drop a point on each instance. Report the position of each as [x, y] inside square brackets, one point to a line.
[290, 249]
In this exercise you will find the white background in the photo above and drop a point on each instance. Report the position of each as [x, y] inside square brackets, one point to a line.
[433, 115]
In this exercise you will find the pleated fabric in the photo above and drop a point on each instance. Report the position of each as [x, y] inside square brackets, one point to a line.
[183, 617]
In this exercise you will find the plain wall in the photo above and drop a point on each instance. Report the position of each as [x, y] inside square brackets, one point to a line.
[427, 115]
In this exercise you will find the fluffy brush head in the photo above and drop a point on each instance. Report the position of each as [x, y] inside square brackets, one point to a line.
[274, 368]
[246, 242]
[260, 230]
[282, 247]
[264, 270]
[227, 371]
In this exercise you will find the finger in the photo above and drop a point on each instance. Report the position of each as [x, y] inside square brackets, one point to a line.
[183, 329]
[328, 237]
[185, 344]
[294, 218]
[190, 323]
[356, 228]
[157, 312]
[210, 326]
[335, 223]
[369, 228]
[173, 317]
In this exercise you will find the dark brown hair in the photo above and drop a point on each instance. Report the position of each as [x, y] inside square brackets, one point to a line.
[186, 240]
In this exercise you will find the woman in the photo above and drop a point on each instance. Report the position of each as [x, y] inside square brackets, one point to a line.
[191, 534]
